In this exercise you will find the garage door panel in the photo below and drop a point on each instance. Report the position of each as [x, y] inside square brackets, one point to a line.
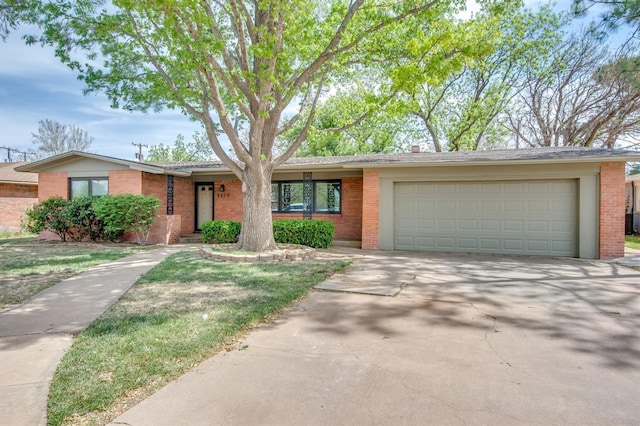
[467, 225]
[537, 226]
[534, 217]
[490, 225]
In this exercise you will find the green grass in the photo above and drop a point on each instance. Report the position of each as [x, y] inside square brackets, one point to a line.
[180, 313]
[26, 268]
[632, 241]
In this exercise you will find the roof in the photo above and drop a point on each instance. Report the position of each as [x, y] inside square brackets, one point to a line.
[41, 165]
[421, 159]
[8, 175]
[374, 161]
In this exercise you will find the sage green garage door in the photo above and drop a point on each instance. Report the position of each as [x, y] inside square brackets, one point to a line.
[514, 217]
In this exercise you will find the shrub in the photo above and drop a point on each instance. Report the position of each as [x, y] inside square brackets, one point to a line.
[220, 231]
[81, 219]
[48, 216]
[127, 212]
[312, 233]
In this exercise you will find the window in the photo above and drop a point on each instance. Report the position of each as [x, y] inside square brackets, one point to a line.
[81, 187]
[286, 197]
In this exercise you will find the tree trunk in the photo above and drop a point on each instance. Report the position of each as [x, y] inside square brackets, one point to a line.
[257, 227]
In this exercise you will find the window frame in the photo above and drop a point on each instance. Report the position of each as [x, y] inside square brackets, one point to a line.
[314, 209]
[89, 184]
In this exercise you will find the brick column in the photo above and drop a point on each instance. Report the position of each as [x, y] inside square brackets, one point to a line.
[370, 210]
[612, 198]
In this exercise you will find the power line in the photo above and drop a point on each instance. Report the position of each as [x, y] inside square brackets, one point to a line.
[9, 150]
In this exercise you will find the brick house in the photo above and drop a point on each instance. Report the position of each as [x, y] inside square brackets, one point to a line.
[632, 204]
[18, 192]
[548, 201]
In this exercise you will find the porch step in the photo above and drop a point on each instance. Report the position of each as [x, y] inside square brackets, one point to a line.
[190, 239]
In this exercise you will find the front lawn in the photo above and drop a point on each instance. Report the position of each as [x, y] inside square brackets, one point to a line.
[28, 266]
[183, 311]
[632, 241]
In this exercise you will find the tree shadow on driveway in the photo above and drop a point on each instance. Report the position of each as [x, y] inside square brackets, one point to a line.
[581, 308]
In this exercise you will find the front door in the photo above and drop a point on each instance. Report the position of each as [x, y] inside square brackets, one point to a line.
[204, 203]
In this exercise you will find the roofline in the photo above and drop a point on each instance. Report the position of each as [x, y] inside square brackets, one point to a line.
[36, 166]
[449, 163]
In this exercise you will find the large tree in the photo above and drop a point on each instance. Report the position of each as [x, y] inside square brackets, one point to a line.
[235, 61]
[54, 138]
[462, 112]
[584, 95]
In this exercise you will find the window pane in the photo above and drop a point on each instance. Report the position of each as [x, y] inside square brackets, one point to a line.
[291, 197]
[79, 188]
[274, 197]
[327, 197]
[99, 187]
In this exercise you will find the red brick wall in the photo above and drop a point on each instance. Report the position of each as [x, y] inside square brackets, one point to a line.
[125, 182]
[184, 203]
[52, 184]
[370, 210]
[227, 205]
[612, 205]
[14, 200]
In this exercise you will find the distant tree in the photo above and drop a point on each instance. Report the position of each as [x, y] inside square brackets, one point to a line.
[54, 138]
[633, 168]
[581, 97]
[199, 149]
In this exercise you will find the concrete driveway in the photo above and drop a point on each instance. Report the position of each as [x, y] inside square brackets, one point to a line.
[462, 339]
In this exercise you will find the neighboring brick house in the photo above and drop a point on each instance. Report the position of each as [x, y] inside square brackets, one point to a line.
[632, 205]
[547, 201]
[18, 192]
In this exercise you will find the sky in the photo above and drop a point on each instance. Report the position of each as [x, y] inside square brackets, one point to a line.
[35, 86]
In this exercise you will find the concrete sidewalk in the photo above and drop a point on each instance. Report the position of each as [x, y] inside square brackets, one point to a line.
[35, 335]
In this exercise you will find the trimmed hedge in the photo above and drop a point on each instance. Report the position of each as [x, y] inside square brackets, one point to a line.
[220, 231]
[311, 233]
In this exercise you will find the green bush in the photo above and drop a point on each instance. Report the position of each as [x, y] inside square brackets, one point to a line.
[312, 233]
[220, 231]
[81, 220]
[48, 216]
[127, 212]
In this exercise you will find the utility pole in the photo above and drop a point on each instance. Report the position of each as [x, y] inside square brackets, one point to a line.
[139, 155]
[24, 154]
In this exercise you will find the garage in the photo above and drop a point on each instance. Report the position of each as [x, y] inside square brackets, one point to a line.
[533, 217]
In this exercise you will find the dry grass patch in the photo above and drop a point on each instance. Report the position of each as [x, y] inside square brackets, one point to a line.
[26, 268]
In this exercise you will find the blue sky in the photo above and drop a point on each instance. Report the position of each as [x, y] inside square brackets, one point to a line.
[35, 86]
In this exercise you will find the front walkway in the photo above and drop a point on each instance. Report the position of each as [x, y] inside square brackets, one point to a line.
[35, 335]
